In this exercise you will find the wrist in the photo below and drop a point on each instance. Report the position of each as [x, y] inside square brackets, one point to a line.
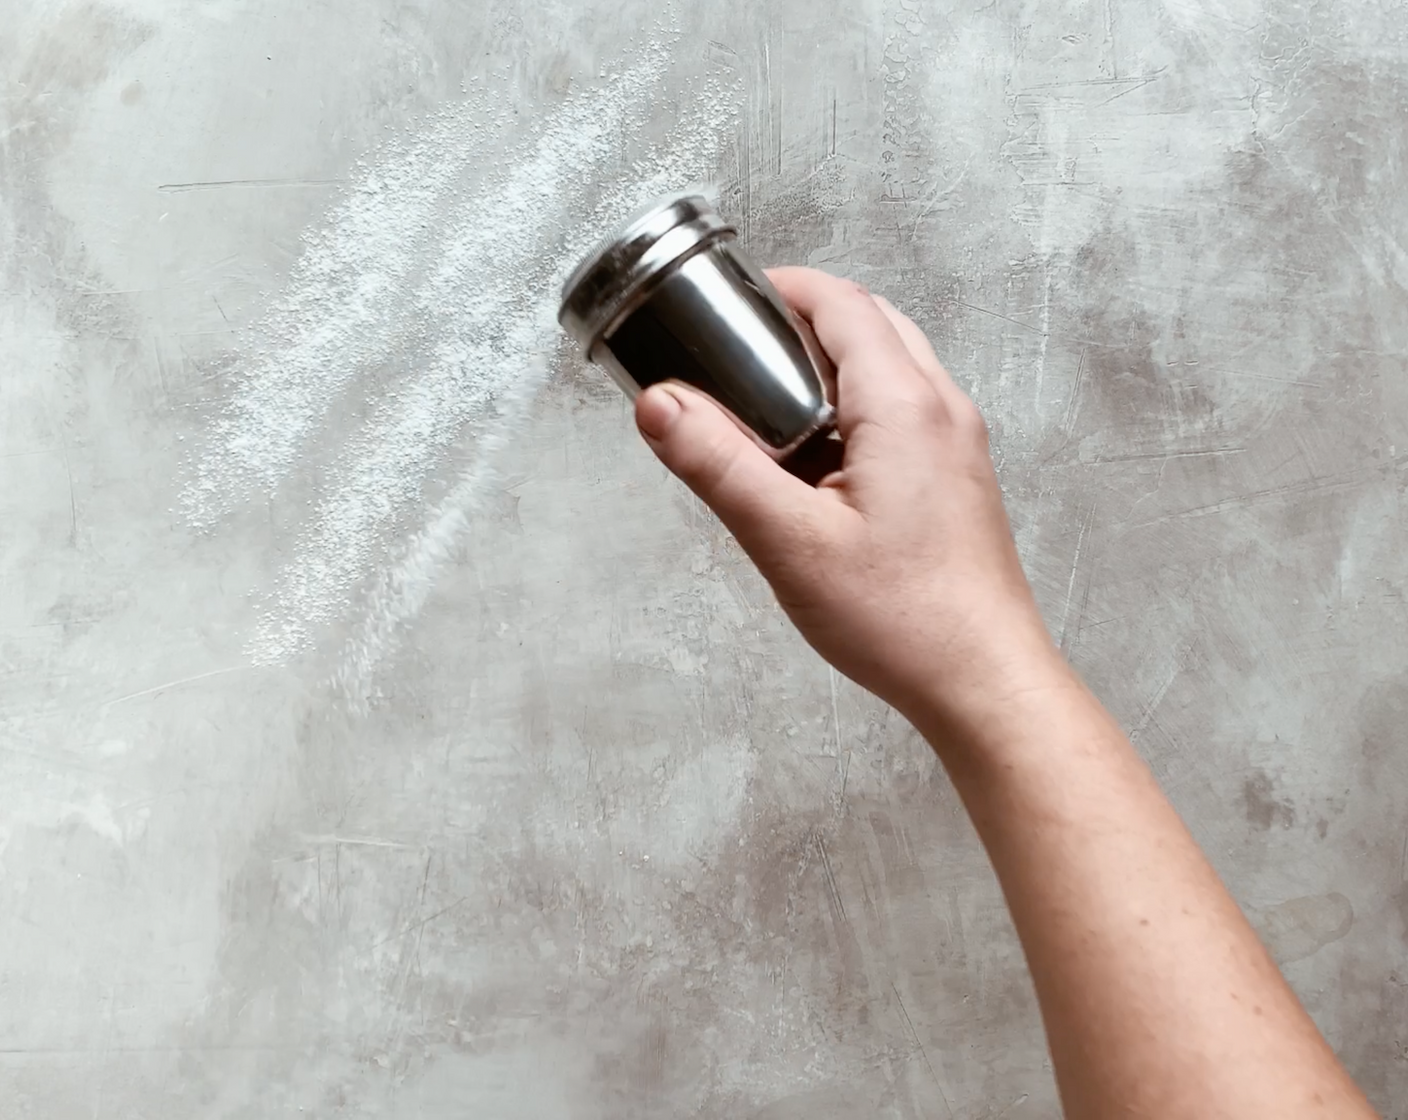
[1012, 692]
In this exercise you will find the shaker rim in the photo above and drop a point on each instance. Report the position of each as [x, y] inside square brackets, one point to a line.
[610, 277]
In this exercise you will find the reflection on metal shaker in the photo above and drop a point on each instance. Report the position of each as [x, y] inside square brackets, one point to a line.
[672, 296]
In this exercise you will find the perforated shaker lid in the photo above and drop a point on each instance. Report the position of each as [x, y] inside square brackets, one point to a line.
[612, 279]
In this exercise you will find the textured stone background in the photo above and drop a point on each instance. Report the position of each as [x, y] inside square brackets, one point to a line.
[606, 840]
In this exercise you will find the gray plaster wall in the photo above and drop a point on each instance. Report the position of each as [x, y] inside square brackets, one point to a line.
[474, 773]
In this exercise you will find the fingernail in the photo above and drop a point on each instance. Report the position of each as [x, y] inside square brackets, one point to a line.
[656, 412]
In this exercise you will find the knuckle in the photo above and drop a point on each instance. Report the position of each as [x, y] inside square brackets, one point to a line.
[933, 408]
[919, 407]
[972, 424]
[897, 423]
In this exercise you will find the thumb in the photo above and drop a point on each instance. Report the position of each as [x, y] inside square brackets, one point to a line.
[754, 497]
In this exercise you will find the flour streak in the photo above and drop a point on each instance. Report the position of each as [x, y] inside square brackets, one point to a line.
[425, 306]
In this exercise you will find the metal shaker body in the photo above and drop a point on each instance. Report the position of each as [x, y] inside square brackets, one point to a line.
[674, 297]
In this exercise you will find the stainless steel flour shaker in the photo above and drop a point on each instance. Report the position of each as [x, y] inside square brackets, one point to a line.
[673, 296]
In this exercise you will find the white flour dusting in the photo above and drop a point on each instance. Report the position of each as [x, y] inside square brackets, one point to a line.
[403, 587]
[341, 313]
[430, 299]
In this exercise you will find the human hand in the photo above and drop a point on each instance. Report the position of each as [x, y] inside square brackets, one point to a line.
[900, 569]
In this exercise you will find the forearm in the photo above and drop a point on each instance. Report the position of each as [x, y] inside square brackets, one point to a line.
[1158, 998]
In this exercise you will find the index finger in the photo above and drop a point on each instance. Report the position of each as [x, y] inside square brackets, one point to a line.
[872, 362]
[922, 351]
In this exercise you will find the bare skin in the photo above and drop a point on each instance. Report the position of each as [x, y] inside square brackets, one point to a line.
[1159, 1001]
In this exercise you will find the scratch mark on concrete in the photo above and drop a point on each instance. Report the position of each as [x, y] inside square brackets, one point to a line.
[1075, 567]
[1131, 89]
[1136, 78]
[1110, 38]
[995, 315]
[1248, 374]
[923, 1053]
[1070, 419]
[176, 684]
[1148, 715]
[160, 365]
[72, 501]
[832, 889]
[423, 922]
[214, 1048]
[1162, 456]
[1329, 485]
[357, 841]
[245, 184]
[835, 710]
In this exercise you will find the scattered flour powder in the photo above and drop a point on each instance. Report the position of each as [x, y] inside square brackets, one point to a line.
[434, 352]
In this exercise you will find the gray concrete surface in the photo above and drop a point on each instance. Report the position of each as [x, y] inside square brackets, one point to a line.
[351, 768]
